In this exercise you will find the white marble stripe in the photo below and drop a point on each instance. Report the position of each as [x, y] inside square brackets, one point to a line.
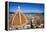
[20, 17]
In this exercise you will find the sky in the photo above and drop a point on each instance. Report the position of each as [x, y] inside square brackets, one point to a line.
[26, 7]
